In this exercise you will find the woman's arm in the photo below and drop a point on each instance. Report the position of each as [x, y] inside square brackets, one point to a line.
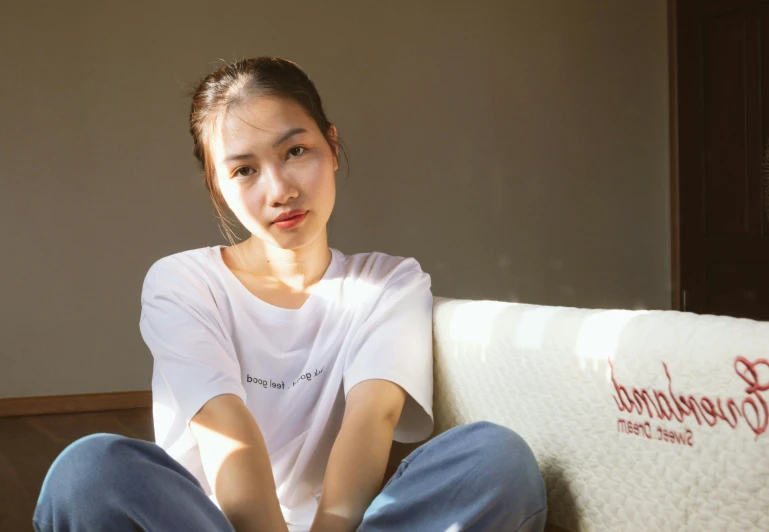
[359, 457]
[237, 465]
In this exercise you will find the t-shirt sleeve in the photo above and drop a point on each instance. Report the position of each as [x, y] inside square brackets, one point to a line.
[194, 359]
[395, 343]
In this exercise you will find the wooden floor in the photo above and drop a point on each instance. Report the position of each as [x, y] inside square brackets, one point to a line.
[29, 445]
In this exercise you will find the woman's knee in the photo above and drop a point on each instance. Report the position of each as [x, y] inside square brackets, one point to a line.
[93, 480]
[491, 438]
[82, 466]
[510, 464]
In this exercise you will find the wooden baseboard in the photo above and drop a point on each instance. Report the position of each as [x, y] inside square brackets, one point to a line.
[61, 404]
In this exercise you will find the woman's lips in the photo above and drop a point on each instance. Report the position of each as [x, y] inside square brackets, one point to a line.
[291, 222]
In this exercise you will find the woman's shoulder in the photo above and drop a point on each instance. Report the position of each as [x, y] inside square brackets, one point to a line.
[386, 280]
[376, 266]
[188, 269]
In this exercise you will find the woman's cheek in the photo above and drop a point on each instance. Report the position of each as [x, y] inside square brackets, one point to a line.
[312, 175]
[248, 202]
[237, 199]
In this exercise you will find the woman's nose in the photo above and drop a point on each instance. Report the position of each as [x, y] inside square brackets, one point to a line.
[281, 187]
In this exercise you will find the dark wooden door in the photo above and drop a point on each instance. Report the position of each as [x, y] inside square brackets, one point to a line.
[723, 125]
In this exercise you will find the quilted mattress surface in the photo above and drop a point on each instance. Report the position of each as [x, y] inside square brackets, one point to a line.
[640, 420]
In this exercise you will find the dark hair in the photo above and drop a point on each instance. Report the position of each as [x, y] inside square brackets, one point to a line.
[236, 82]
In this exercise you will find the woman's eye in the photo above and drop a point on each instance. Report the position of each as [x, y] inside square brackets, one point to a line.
[243, 171]
[293, 151]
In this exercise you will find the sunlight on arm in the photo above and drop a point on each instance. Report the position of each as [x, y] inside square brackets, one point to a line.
[219, 448]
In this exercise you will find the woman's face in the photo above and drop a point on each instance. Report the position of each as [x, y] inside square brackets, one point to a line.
[271, 158]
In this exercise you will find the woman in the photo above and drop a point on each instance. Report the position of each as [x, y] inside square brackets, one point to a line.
[284, 369]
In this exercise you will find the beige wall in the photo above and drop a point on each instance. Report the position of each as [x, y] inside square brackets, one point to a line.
[518, 149]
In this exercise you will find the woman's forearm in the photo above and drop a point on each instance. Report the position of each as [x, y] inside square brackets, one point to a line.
[354, 473]
[253, 509]
[237, 465]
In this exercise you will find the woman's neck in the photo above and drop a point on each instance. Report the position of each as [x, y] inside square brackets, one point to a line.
[297, 269]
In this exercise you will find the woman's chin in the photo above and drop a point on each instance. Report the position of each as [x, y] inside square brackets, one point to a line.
[291, 239]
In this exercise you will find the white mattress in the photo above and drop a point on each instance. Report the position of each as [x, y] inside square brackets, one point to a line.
[546, 372]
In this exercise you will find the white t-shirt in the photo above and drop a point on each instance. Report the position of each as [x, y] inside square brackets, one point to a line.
[370, 317]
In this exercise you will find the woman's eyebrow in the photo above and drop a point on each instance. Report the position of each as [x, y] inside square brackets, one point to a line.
[238, 157]
[287, 135]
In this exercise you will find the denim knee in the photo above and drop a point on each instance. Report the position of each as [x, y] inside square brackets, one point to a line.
[83, 468]
[509, 463]
[111, 482]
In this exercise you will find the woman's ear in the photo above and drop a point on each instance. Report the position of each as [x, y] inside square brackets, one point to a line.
[334, 142]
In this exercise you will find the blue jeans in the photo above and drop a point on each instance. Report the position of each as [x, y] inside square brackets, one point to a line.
[476, 477]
